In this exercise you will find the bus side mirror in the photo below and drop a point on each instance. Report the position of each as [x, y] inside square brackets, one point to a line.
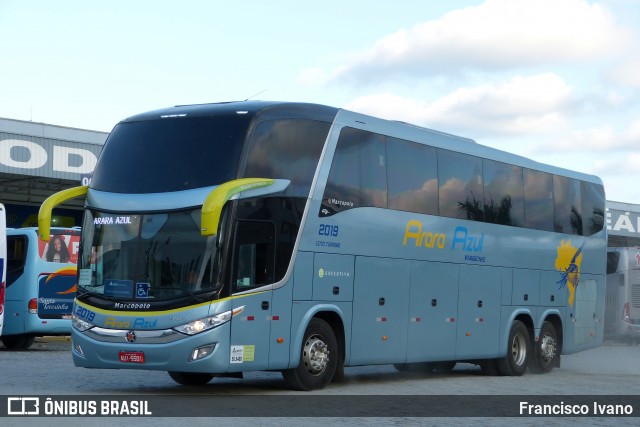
[212, 206]
[44, 215]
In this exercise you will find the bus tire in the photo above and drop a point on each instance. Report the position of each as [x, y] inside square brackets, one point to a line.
[545, 350]
[18, 342]
[518, 350]
[190, 378]
[318, 358]
[489, 367]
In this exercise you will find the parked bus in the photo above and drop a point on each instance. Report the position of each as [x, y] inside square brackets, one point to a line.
[41, 284]
[301, 238]
[3, 261]
[622, 308]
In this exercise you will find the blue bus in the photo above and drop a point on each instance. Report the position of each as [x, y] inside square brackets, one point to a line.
[3, 261]
[301, 238]
[41, 284]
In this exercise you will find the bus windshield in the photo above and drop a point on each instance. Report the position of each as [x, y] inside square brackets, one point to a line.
[157, 156]
[147, 256]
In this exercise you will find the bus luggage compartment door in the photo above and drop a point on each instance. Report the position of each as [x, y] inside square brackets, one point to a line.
[380, 301]
[433, 309]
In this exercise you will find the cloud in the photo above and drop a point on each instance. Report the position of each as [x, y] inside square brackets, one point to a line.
[596, 139]
[521, 105]
[627, 73]
[498, 34]
[627, 164]
[621, 187]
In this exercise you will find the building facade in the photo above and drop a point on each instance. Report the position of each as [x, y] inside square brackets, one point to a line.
[38, 159]
[623, 224]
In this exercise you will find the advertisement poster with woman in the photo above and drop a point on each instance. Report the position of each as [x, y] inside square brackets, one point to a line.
[57, 285]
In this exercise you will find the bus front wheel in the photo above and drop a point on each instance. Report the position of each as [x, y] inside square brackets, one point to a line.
[190, 378]
[519, 347]
[546, 350]
[318, 358]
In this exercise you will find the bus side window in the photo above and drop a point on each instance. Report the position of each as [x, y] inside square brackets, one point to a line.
[503, 193]
[593, 209]
[412, 175]
[460, 186]
[254, 256]
[16, 257]
[287, 149]
[538, 200]
[567, 205]
[358, 174]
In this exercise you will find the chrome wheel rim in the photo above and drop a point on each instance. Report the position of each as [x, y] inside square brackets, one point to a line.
[519, 349]
[315, 355]
[547, 349]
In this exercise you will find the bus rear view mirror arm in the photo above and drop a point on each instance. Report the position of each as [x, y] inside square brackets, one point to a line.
[249, 187]
[44, 215]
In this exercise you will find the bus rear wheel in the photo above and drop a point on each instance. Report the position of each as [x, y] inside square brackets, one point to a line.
[190, 378]
[545, 350]
[18, 342]
[318, 358]
[519, 347]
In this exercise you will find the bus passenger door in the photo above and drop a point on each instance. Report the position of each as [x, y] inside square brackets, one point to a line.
[16, 285]
[253, 266]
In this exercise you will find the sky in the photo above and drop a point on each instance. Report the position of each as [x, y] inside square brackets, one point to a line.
[557, 81]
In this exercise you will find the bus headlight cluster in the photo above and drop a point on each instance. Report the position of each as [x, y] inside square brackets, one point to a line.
[205, 324]
[79, 324]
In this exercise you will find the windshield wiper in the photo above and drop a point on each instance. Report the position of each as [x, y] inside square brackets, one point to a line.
[85, 295]
[187, 291]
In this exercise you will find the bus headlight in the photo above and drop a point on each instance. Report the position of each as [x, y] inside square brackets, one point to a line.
[205, 324]
[79, 324]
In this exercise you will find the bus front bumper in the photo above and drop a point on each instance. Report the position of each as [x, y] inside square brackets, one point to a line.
[204, 352]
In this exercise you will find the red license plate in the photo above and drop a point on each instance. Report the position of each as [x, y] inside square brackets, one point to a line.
[131, 356]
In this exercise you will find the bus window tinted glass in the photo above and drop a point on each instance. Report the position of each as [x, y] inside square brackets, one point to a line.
[16, 257]
[358, 175]
[613, 260]
[460, 181]
[254, 255]
[593, 205]
[567, 205]
[412, 177]
[158, 156]
[503, 193]
[287, 149]
[538, 200]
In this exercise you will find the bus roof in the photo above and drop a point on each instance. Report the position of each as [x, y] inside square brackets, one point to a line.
[266, 110]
